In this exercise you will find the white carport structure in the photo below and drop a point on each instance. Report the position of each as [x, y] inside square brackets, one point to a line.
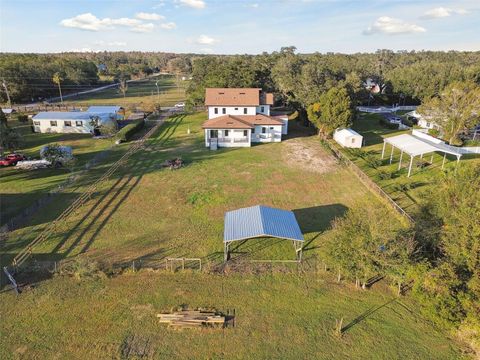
[415, 146]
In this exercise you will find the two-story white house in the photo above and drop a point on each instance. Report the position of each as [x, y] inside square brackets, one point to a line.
[239, 116]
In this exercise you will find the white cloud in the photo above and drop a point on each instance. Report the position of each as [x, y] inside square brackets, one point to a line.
[205, 40]
[392, 26]
[207, 50]
[168, 26]
[143, 28]
[149, 16]
[85, 49]
[110, 43]
[442, 12]
[255, 5]
[197, 4]
[90, 22]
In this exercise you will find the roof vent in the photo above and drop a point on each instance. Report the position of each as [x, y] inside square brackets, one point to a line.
[242, 93]
[221, 93]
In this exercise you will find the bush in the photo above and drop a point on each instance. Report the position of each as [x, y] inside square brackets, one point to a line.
[22, 118]
[472, 143]
[408, 122]
[433, 132]
[385, 175]
[385, 123]
[127, 132]
[372, 161]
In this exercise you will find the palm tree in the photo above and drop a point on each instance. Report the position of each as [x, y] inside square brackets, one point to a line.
[57, 79]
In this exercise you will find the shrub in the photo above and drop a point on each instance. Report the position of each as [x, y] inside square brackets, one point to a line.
[372, 161]
[127, 132]
[385, 175]
[408, 122]
[22, 118]
[433, 132]
[472, 143]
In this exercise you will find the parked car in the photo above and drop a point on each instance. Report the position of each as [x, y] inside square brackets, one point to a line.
[180, 105]
[11, 159]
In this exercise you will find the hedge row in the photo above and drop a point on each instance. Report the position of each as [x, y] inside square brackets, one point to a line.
[127, 132]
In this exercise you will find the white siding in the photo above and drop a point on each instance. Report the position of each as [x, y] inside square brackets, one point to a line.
[234, 138]
[265, 108]
[273, 133]
[346, 139]
[45, 126]
[230, 110]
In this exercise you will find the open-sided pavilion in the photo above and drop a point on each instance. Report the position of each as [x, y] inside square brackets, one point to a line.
[417, 146]
[262, 222]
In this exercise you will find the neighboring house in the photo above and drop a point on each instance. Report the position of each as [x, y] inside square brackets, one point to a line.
[238, 117]
[76, 121]
[348, 138]
[62, 122]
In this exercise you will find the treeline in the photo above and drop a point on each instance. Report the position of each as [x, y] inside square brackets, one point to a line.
[438, 258]
[29, 77]
[299, 79]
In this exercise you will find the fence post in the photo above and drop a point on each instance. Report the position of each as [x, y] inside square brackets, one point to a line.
[133, 265]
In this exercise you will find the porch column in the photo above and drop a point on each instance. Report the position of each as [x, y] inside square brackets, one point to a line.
[410, 167]
[443, 162]
[400, 163]
[431, 160]
[383, 150]
[391, 154]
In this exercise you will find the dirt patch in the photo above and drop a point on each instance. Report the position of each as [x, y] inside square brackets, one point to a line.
[308, 154]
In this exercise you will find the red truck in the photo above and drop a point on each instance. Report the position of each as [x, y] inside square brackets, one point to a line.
[11, 159]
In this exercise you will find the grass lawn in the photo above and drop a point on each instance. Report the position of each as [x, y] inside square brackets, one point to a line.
[405, 191]
[278, 316]
[142, 91]
[21, 188]
[149, 213]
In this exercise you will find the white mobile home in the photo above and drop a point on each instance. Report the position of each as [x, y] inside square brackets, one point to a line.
[348, 138]
[69, 122]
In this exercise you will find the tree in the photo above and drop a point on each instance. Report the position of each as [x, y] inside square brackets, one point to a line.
[123, 87]
[58, 155]
[457, 108]
[448, 284]
[361, 248]
[57, 79]
[9, 138]
[333, 110]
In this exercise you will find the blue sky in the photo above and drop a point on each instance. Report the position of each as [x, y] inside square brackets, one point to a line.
[238, 26]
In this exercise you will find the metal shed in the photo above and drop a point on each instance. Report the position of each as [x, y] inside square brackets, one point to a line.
[262, 221]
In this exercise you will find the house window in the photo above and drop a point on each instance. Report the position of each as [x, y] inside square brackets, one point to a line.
[236, 108]
[245, 110]
[428, 125]
[264, 130]
[53, 123]
[78, 123]
[262, 109]
[36, 123]
[215, 110]
[224, 110]
[271, 127]
[245, 133]
[353, 140]
[253, 131]
[67, 123]
[226, 133]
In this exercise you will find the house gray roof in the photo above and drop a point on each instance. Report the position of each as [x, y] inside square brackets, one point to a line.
[261, 221]
[104, 109]
[62, 115]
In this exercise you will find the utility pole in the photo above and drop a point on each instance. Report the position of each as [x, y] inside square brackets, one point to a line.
[6, 90]
[158, 91]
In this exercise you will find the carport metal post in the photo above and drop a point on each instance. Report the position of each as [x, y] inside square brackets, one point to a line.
[391, 154]
[410, 167]
[383, 150]
[443, 162]
[400, 163]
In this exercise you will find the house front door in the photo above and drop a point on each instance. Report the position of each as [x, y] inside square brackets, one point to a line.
[213, 134]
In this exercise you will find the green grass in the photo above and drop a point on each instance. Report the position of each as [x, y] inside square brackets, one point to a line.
[138, 93]
[21, 188]
[287, 316]
[153, 212]
[149, 213]
[420, 181]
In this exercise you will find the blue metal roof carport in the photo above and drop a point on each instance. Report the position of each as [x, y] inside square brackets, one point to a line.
[261, 221]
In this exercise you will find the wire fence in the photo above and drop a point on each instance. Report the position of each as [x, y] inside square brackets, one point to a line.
[368, 181]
